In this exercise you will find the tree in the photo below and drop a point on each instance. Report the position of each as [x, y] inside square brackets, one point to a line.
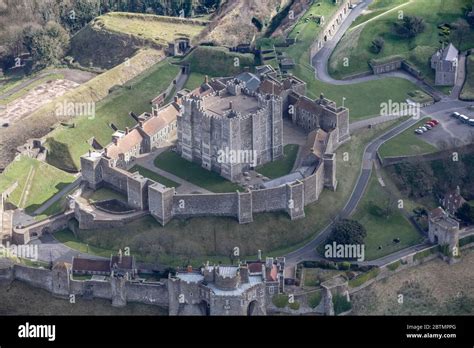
[47, 45]
[348, 232]
[465, 213]
[409, 27]
[461, 30]
[377, 45]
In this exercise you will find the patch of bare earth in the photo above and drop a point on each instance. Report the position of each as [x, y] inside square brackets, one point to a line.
[233, 25]
[434, 288]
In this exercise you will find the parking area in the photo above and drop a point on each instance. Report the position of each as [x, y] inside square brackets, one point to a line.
[450, 132]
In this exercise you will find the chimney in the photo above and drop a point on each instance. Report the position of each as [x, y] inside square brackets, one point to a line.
[127, 130]
[176, 99]
[105, 151]
[259, 255]
[89, 153]
[190, 269]
[206, 79]
[140, 124]
[115, 140]
[231, 105]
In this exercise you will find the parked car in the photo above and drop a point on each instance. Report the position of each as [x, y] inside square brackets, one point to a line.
[436, 122]
[424, 129]
[471, 122]
[428, 126]
[455, 114]
[418, 131]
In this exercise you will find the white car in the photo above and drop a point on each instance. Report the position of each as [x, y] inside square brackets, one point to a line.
[424, 129]
[428, 126]
[418, 131]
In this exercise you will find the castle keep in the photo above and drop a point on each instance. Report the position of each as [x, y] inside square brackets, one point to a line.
[240, 114]
[226, 116]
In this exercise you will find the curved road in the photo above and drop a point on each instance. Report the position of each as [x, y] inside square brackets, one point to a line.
[447, 104]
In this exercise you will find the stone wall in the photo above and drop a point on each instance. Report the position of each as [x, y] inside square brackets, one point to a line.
[330, 28]
[23, 235]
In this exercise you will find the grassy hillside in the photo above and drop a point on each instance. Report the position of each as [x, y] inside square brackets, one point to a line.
[384, 224]
[218, 61]
[66, 145]
[467, 92]
[159, 29]
[37, 182]
[356, 43]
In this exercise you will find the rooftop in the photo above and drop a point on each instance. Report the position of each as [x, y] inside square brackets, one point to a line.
[218, 105]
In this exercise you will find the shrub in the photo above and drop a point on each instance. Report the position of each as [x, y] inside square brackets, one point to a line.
[364, 278]
[394, 266]
[295, 305]
[377, 45]
[409, 27]
[344, 266]
[341, 304]
[280, 300]
[348, 232]
[314, 299]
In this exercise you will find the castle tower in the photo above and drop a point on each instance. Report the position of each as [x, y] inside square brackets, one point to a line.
[160, 202]
[91, 169]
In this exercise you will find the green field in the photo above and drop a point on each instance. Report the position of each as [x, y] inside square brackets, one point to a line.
[194, 173]
[154, 176]
[67, 238]
[356, 43]
[377, 8]
[356, 95]
[384, 222]
[282, 166]
[151, 27]
[407, 143]
[37, 183]
[467, 92]
[66, 145]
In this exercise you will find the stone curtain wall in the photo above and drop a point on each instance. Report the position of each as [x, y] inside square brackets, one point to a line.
[330, 28]
[153, 293]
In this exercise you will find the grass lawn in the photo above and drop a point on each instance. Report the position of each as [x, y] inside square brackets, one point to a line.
[37, 183]
[380, 91]
[467, 92]
[184, 241]
[383, 228]
[377, 8]
[150, 27]
[66, 145]
[194, 173]
[356, 43]
[407, 143]
[105, 194]
[67, 238]
[154, 176]
[282, 166]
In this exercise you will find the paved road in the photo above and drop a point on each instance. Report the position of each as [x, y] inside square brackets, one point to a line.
[321, 59]
[320, 62]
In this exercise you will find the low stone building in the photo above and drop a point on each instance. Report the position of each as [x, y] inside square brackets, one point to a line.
[445, 62]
